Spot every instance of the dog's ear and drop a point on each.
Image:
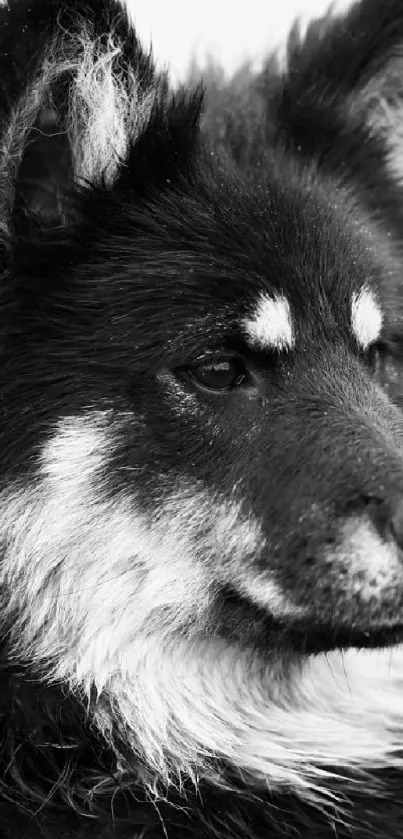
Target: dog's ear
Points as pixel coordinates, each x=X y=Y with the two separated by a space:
x=78 y=91
x=341 y=98
x=78 y=94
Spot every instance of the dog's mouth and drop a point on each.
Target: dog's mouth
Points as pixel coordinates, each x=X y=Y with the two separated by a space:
x=325 y=638
x=238 y=619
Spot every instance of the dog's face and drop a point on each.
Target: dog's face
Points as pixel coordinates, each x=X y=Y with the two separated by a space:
x=197 y=447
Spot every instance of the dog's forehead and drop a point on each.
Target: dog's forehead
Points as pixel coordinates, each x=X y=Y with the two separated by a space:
x=274 y=321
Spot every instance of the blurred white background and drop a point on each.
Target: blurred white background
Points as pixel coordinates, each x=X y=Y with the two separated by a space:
x=230 y=30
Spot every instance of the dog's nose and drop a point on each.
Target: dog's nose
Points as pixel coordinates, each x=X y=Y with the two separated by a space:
x=387 y=516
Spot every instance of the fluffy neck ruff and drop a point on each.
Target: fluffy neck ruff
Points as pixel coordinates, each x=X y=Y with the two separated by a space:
x=322 y=749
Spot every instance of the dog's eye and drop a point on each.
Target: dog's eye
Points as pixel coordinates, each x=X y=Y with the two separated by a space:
x=219 y=375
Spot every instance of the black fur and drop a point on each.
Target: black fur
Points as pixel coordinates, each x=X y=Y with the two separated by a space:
x=103 y=285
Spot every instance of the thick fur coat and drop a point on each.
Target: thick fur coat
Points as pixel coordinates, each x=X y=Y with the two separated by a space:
x=201 y=482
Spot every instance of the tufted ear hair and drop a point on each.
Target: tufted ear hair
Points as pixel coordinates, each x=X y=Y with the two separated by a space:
x=341 y=98
x=76 y=93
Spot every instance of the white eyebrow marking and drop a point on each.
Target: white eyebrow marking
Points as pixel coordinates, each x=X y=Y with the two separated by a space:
x=270 y=327
x=366 y=317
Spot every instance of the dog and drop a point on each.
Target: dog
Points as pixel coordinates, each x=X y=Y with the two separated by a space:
x=201 y=529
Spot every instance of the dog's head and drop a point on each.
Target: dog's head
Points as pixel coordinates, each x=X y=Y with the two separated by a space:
x=199 y=458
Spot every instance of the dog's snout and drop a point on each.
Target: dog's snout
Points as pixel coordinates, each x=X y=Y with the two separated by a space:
x=387 y=516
